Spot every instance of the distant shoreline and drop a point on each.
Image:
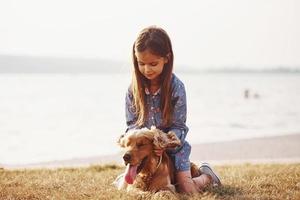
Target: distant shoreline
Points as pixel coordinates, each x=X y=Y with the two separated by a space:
x=274 y=149
x=13 y=64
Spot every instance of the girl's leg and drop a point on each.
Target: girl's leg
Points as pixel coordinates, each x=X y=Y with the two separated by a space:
x=202 y=181
x=184 y=182
x=187 y=184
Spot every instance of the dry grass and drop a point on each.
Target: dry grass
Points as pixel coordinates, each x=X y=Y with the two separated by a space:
x=247 y=181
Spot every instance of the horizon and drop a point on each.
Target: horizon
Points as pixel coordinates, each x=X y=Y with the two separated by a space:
x=49 y=64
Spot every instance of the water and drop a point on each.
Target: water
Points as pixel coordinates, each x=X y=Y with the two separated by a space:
x=46 y=117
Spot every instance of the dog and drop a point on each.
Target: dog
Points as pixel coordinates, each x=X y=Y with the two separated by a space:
x=145 y=171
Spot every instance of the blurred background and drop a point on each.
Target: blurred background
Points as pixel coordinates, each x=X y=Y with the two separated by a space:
x=65 y=67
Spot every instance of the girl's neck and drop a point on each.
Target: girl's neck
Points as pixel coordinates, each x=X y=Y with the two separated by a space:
x=154 y=86
x=154 y=83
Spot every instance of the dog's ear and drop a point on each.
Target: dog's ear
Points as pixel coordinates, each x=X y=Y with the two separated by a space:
x=121 y=140
x=163 y=140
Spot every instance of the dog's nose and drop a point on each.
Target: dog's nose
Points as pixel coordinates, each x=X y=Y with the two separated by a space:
x=127 y=157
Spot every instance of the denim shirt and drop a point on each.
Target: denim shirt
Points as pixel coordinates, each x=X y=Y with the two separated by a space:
x=178 y=125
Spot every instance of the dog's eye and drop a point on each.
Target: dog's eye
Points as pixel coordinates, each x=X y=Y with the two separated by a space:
x=140 y=145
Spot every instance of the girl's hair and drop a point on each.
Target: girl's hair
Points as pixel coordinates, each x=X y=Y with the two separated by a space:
x=157 y=41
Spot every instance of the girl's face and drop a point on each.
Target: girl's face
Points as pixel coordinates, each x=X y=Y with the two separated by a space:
x=150 y=65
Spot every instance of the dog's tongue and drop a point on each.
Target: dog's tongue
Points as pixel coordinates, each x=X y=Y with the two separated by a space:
x=130 y=173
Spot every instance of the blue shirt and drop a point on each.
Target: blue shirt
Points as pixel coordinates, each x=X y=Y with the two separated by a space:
x=178 y=125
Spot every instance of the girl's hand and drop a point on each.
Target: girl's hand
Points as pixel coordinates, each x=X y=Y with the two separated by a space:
x=158 y=152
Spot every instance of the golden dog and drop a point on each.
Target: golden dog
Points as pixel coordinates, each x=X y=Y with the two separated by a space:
x=145 y=170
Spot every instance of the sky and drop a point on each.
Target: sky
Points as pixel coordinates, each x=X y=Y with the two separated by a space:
x=216 y=33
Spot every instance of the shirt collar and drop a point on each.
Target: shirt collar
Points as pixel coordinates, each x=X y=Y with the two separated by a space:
x=148 y=92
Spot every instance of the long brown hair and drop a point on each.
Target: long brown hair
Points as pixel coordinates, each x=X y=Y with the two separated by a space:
x=157 y=41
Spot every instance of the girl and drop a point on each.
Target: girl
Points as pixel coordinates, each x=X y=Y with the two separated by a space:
x=157 y=97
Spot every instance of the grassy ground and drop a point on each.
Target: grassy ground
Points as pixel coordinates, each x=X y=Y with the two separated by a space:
x=247 y=181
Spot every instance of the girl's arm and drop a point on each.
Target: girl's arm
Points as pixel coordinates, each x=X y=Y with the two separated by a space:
x=179 y=113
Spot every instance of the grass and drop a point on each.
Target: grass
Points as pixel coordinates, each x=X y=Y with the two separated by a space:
x=246 y=181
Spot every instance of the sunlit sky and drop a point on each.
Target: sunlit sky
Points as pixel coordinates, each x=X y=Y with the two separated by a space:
x=251 y=33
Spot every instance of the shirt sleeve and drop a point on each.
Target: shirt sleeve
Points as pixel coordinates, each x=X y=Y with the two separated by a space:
x=178 y=125
x=131 y=117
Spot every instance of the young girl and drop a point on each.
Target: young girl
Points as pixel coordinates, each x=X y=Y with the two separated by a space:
x=157 y=97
